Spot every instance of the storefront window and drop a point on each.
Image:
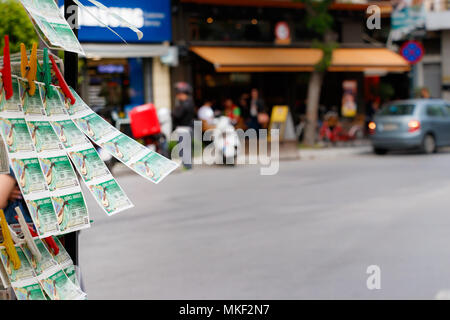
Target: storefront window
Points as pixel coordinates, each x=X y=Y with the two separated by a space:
x=108 y=83
x=245 y=24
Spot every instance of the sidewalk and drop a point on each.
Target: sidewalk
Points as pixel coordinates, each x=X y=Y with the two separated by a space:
x=360 y=147
x=324 y=153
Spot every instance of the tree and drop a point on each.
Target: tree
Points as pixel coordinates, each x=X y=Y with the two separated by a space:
x=15 y=23
x=318 y=20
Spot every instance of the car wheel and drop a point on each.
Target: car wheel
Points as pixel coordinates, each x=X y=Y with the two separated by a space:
x=429 y=144
x=380 y=151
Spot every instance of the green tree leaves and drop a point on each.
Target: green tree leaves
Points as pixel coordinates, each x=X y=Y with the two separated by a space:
x=319 y=20
x=15 y=22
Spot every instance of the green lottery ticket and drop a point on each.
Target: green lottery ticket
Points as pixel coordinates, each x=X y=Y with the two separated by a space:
x=139 y=158
x=16 y=135
x=154 y=166
x=89 y=164
x=43 y=136
x=72 y=275
x=45 y=30
x=58 y=173
x=44 y=216
x=78 y=107
x=71 y=211
x=64 y=260
x=29 y=175
x=24 y=275
x=42 y=6
x=59 y=287
x=14 y=104
x=110 y=196
x=32 y=105
x=30 y=292
x=69 y=134
x=63 y=257
x=53 y=106
x=123 y=147
x=44 y=267
x=66 y=37
x=94 y=126
x=51 y=25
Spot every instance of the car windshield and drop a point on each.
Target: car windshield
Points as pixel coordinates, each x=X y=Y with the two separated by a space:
x=397 y=110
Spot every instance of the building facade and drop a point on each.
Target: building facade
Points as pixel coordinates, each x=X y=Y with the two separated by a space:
x=227 y=47
x=433 y=71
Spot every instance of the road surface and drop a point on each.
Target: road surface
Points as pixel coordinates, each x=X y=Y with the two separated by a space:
x=311 y=231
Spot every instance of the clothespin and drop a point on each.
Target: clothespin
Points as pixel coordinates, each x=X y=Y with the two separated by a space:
x=28 y=68
x=6 y=70
x=62 y=83
x=8 y=242
x=49 y=241
x=44 y=74
x=27 y=235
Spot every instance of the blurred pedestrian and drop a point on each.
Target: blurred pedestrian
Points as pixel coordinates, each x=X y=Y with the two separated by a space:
x=425 y=93
x=183 y=112
x=258 y=117
x=183 y=115
x=244 y=106
x=232 y=111
x=206 y=114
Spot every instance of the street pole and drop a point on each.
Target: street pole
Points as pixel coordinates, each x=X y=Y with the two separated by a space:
x=71 y=77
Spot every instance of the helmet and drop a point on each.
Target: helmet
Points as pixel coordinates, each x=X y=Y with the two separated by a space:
x=183 y=87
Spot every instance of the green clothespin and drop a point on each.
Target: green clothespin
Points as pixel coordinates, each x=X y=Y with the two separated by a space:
x=44 y=74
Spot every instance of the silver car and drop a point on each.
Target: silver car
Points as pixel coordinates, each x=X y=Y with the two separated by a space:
x=411 y=124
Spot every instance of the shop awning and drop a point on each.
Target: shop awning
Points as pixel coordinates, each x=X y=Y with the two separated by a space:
x=367 y=59
x=118 y=50
x=230 y=59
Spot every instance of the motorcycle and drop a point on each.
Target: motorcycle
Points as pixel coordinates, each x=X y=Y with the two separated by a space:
x=151 y=125
x=153 y=131
x=333 y=130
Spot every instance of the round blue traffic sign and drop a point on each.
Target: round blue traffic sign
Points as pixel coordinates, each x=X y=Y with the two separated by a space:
x=412 y=51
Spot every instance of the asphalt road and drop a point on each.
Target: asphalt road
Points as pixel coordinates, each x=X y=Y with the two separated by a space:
x=308 y=232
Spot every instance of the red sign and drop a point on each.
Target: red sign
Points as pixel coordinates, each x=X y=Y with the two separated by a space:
x=282 y=31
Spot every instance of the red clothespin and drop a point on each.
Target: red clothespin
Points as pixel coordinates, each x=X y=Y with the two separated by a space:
x=6 y=70
x=62 y=83
x=49 y=241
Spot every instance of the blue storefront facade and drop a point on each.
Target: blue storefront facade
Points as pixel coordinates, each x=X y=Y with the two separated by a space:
x=118 y=74
x=152 y=17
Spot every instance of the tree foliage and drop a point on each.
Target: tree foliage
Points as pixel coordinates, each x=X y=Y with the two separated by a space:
x=15 y=22
x=319 y=20
x=327 y=50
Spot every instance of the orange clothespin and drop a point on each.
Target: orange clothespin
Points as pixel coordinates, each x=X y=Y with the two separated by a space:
x=8 y=242
x=6 y=71
x=28 y=68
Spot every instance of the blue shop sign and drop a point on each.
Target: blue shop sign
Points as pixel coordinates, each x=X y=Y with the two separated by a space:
x=152 y=17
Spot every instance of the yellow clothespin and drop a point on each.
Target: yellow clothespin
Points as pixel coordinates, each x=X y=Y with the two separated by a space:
x=28 y=68
x=8 y=242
